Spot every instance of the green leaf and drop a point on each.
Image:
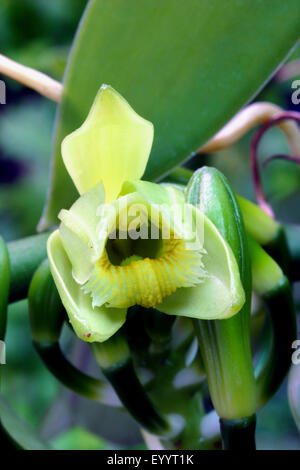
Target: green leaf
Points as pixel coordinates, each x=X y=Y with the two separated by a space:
x=187 y=67
x=14 y=429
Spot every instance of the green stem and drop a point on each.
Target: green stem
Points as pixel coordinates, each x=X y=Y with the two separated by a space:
x=6 y=441
x=67 y=374
x=158 y=325
x=238 y=434
x=46 y=315
x=129 y=389
x=46 y=312
x=225 y=344
x=275 y=357
x=25 y=256
x=114 y=358
x=228 y=366
x=275 y=290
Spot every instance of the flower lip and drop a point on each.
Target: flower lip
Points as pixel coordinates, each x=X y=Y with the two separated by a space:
x=143 y=270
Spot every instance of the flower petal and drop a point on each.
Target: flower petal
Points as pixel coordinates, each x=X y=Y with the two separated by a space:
x=78 y=232
x=163 y=201
x=90 y=324
x=78 y=250
x=154 y=193
x=220 y=294
x=86 y=207
x=112 y=145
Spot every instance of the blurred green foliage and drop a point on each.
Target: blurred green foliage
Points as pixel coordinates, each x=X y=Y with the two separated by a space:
x=38 y=33
x=25 y=144
x=78 y=438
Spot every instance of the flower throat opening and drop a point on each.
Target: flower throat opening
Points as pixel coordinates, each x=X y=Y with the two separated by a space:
x=142 y=271
x=123 y=246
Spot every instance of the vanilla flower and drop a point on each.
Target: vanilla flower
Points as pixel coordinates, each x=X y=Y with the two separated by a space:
x=128 y=242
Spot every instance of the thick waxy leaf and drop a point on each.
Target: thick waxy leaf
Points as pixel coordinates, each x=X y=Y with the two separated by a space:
x=187 y=67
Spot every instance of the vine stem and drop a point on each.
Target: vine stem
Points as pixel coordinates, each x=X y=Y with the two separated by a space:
x=286 y=116
x=31 y=78
x=290 y=158
x=245 y=120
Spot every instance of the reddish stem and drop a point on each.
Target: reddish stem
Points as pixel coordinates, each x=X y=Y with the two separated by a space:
x=291 y=158
x=260 y=196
